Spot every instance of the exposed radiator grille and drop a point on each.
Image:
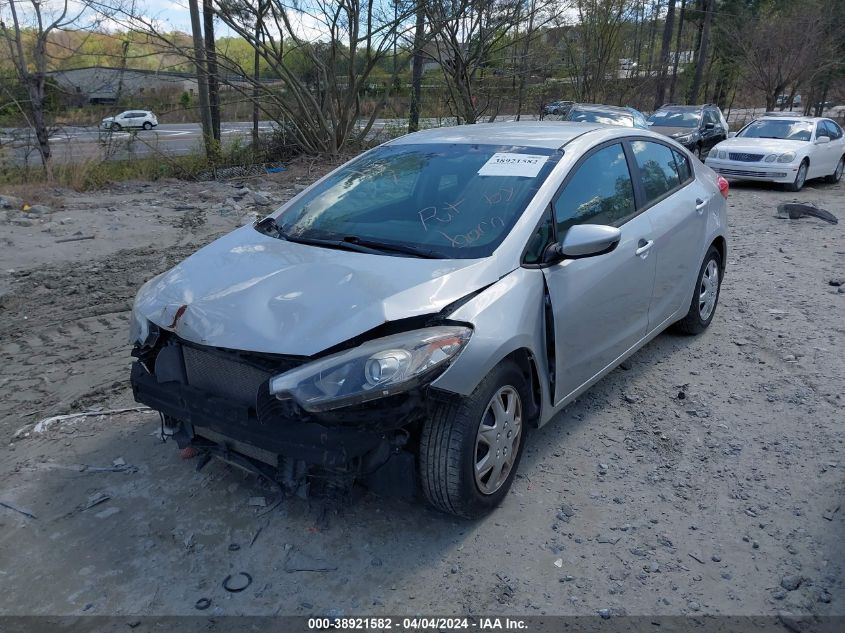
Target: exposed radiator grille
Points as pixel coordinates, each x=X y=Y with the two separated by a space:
x=746 y=158
x=218 y=375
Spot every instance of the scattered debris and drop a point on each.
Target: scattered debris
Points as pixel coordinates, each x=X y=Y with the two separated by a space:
x=791 y=582
x=794 y=211
x=237 y=588
x=117 y=468
x=76 y=239
x=828 y=514
x=559 y=562
x=299 y=561
x=258 y=502
x=44 y=424
x=202 y=604
x=697 y=557
x=26 y=513
x=107 y=512
x=96 y=500
x=234 y=547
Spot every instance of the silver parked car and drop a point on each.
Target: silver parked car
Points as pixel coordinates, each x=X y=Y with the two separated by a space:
x=413 y=314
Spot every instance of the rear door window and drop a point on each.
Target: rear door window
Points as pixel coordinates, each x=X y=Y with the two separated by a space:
x=658 y=170
x=682 y=163
x=600 y=192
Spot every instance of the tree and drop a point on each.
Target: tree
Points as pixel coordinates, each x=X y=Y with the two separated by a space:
x=211 y=67
x=660 y=95
x=593 y=47
x=26 y=37
x=709 y=8
x=417 y=67
x=202 y=79
x=785 y=47
x=467 y=33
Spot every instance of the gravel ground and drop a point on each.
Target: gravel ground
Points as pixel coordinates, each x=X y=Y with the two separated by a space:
x=706 y=476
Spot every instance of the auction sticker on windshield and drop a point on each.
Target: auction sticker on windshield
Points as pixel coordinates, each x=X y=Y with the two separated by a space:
x=507 y=164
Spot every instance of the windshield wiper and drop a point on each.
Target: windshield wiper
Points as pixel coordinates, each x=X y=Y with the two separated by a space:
x=413 y=251
x=270 y=227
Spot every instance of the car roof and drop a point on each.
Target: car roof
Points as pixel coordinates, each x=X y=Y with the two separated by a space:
x=546 y=134
x=597 y=107
x=793 y=117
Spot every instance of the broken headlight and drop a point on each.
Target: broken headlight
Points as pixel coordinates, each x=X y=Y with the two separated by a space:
x=139 y=328
x=141 y=331
x=375 y=369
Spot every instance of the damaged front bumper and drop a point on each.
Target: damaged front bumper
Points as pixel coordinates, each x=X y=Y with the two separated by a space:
x=216 y=399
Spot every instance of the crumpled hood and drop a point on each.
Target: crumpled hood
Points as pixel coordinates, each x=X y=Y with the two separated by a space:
x=108 y=118
x=252 y=292
x=761 y=145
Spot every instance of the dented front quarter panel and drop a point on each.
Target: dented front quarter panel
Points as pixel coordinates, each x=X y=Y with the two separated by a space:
x=506 y=317
x=252 y=292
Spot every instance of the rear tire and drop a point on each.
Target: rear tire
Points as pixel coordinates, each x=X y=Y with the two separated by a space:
x=705 y=297
x=836 y=176
x=800 y=178
x=458 y=437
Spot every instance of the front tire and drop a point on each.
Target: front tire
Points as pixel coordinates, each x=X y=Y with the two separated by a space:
x=115 y=127
x=706 y=295
x=836 y=176
x=800 y=178
x=470 y=450
x=148 y=125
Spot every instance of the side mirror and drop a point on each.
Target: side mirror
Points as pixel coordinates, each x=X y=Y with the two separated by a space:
x=821 y=140
x=709 y=126
x=584 y=240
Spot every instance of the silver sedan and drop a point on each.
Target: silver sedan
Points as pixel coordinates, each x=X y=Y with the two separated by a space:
x=409 y=317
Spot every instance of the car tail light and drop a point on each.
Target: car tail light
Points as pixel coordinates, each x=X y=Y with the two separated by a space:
x=723 y=187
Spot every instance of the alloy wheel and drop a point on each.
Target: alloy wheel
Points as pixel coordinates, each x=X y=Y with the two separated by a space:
x=708 y=290
x=802 y=176
x=498 y=439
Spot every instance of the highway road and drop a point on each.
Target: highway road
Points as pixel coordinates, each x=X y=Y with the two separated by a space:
x=178 y=139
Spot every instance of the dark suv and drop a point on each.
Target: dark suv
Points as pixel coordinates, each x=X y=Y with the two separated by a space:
x=696 y=127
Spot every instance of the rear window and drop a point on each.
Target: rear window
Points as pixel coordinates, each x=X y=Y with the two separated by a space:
x=607 y=118
x=675 y=118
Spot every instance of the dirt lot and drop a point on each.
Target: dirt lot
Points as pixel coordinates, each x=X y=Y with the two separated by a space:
x=705 y=477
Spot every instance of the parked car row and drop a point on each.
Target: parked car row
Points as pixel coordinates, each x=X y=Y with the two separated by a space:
x=698 y=128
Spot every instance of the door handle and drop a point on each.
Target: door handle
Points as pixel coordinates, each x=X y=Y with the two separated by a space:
x=643 y=247
x=699 y=205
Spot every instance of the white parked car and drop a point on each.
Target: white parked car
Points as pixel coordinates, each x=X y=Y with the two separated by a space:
x=130 y=119
x=784 y=149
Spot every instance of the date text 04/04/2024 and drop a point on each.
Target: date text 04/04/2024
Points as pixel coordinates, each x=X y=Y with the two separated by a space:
x=418 y=624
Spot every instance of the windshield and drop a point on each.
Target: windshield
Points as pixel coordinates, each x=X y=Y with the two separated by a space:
x=669 y=118
x=778 y=128
x=442 y=200
x=608 y=118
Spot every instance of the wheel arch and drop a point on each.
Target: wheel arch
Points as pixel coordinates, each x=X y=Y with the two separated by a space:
x=524 y=358
x=721 y=245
